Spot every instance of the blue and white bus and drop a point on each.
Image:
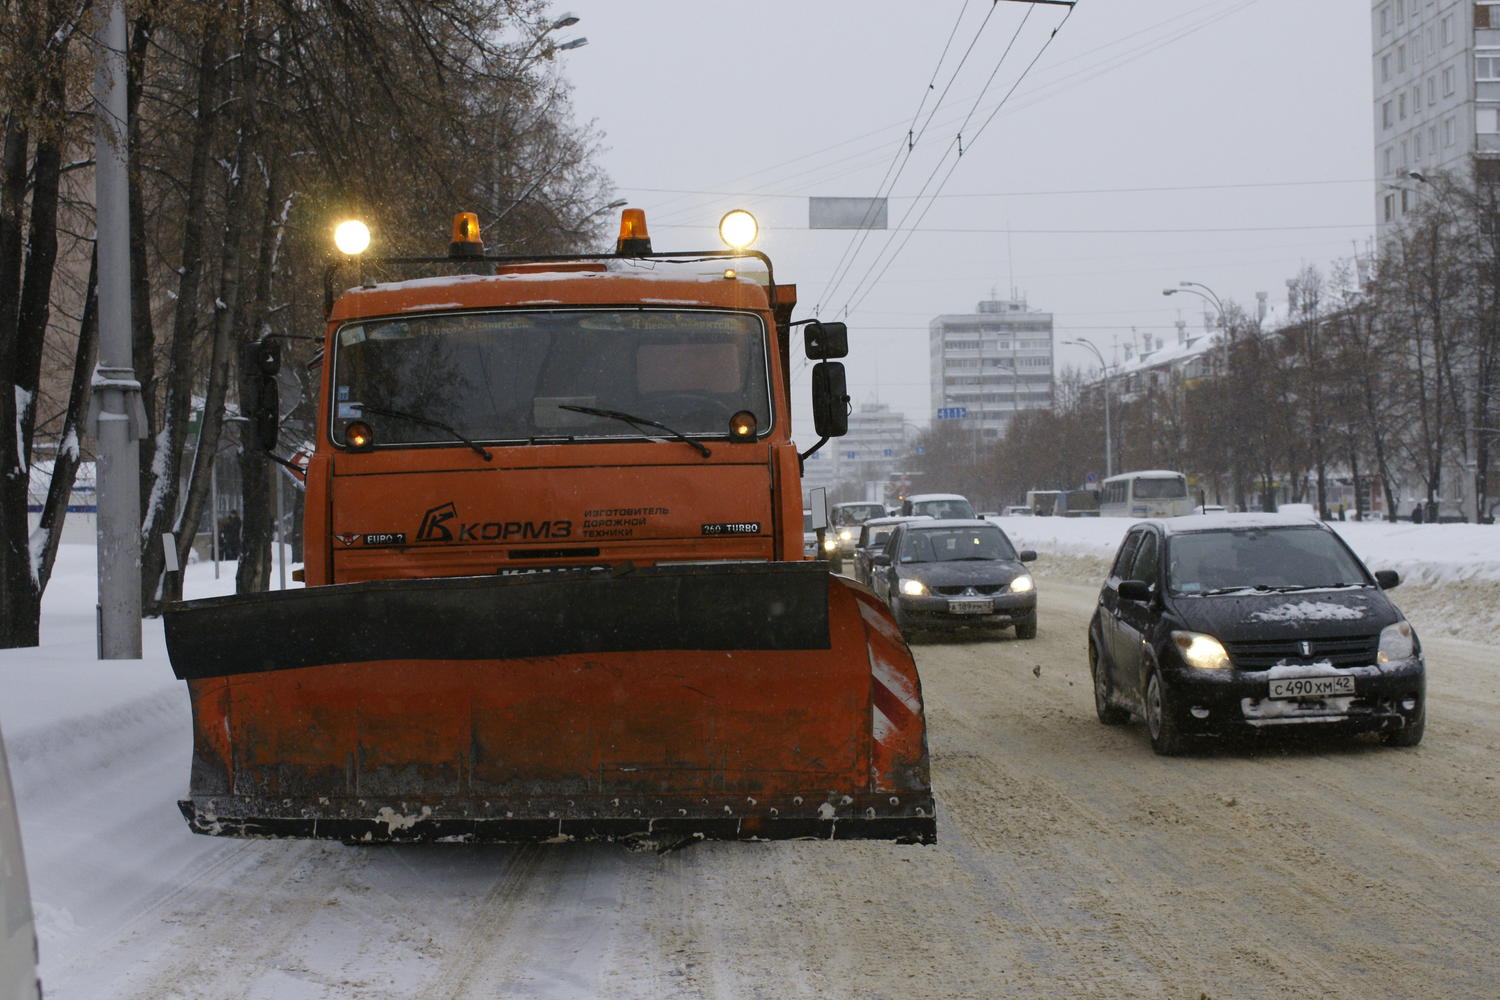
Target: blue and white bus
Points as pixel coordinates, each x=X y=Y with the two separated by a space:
x=1150 y=493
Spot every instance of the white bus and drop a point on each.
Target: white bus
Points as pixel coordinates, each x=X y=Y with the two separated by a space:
x=1151 y=493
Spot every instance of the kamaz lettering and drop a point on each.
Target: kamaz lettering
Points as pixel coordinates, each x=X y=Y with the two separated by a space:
x=494 y=531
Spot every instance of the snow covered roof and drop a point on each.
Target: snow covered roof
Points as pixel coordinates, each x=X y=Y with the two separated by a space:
x=1233 y=522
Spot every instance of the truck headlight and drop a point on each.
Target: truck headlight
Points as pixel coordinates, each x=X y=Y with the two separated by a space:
x=846 y=534
x=1397 y=642
x=1201 y=652
x=913 y=588
x=830 y=543
x=1022 y=584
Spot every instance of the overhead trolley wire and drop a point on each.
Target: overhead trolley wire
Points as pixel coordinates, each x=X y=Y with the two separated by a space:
x=903 y=153
x=852 y=302
x=837 y=280
x=1215 y=14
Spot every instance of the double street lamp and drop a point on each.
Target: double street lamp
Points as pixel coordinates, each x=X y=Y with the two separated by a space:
x=1109 y=461
x=1203 y=292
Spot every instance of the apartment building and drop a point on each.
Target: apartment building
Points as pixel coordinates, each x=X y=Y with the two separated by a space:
x=990 y=364
x=1437 y=97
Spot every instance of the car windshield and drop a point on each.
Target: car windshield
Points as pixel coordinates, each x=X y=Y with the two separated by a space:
x=508 y=376
x=949 y=544
x=1203 y=562
x=857 y=513
x=878 y=535
x=949 y=509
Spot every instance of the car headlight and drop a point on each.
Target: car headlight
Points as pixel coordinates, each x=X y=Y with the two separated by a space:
x=1022 y=584
x=913 y=588
x=1397 y=642
x=1201 y=652
x=846 y=534
x=830 y=543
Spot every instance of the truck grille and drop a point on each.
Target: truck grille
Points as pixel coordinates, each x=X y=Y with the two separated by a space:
x=1341 y=651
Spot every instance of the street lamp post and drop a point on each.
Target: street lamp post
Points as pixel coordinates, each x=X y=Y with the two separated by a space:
x=1109 y=460
x=1206 y=293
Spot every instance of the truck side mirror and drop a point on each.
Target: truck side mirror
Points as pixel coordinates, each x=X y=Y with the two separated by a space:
x=822 y=341
x=261 y=402
x=830 y=399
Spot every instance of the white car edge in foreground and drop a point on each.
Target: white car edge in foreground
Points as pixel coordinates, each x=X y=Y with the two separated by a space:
x=17 y=930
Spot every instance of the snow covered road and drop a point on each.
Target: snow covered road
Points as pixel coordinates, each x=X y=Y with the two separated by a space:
x=1071 y=862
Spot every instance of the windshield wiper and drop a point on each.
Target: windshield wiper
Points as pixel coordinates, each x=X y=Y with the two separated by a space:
x=385 y=411
x=636 y=422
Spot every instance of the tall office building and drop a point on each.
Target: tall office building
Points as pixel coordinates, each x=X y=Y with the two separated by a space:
x=991 y=363
x=862 y=461
x=1437 y=97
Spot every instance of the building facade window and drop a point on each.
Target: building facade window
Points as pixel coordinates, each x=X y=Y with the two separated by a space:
x=1432 y=90
x=1446 y=24
x=1401 y=59
x=1385 y=68
x=1448 y=78
x=1450 y=131
x=1389 y=209
x=1487 y=65
x=1401 y=105
x=1390 y=161
x=1487 y=120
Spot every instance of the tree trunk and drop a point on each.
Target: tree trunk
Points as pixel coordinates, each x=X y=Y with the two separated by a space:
x=20 y=584
x=65 y=468
x=227 y=309
x=256 y=472
x=19 y=625
x=161 y=507
x=142 y=327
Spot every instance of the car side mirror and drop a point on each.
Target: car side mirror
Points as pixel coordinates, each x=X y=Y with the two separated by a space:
x=880 y=559
x=1387 y=578
x=830 y=399
x=1135 y=590
x=1026 y=555
x=822 y=341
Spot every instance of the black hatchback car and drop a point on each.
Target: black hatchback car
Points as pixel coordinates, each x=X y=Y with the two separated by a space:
x=954 y=574
x=1212 y=625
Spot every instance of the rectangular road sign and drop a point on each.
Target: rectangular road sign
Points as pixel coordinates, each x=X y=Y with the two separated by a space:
x=952 y=412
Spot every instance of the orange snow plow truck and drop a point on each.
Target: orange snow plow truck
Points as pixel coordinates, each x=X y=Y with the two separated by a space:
x=555 y=582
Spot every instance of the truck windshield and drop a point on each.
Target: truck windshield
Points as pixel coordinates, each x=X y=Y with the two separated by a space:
x=508 y=376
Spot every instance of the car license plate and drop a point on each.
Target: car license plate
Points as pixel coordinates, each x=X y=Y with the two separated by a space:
x=971 y=607
x=1311 y=687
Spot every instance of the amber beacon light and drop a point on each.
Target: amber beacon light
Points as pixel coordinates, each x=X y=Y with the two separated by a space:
x=466 y=241
x=634 y=240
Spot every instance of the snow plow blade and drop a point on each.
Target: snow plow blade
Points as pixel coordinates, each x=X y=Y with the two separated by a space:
x=735 y=702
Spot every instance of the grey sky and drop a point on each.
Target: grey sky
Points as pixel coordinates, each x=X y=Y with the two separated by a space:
x=1247 y=116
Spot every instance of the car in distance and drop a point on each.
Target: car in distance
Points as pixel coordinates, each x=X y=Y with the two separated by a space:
x=955 y=573
x=844 y=520
x=872 y=538
x=809 y=535
x=939 y=505
x=1214 y=625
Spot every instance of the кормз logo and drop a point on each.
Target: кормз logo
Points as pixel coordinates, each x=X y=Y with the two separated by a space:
x=433 y=524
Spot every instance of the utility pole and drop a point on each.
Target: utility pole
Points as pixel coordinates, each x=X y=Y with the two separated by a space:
x=117 y=418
